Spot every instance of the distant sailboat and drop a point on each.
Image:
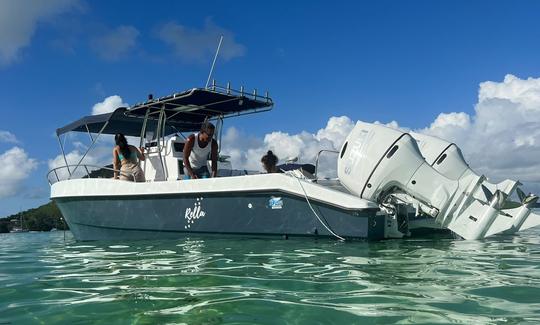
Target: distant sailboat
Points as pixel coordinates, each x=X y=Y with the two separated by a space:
x=21 y=226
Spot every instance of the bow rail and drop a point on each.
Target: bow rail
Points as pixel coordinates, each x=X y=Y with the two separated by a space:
x=62 y=173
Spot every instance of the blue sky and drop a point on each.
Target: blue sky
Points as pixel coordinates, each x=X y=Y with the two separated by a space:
x=402 y=61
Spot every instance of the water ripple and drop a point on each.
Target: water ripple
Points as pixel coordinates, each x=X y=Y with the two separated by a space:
x=264 y=281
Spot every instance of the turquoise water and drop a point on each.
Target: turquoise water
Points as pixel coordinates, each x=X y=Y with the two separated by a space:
x=208 y=280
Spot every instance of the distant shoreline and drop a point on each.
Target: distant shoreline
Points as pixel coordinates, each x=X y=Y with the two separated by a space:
x=43 y=218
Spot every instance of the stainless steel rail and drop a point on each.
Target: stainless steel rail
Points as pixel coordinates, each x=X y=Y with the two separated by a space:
x=317 y=160
x=93 y=168
x=230 y=91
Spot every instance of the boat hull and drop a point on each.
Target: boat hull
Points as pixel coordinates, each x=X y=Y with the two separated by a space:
x=269 y=205
x=174 y=215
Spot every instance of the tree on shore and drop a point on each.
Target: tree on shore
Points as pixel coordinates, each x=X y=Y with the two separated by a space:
x=43 y=218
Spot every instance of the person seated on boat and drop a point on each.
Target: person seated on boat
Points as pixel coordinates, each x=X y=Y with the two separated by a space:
x=269 y=162
x=196 y=151
x=127 y=156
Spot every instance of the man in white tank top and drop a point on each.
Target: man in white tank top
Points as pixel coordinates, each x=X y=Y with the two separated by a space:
x=196 y=151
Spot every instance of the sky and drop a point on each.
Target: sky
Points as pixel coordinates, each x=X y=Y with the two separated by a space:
x=467 y=71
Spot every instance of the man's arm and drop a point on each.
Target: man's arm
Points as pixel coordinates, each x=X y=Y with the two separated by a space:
x=187 y=152
x=214 y=155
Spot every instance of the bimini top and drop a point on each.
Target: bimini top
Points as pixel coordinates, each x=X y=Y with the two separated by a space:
x=118 y=122
x=184 y=112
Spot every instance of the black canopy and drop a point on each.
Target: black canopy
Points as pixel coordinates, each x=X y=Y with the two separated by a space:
x=184 y=111
x=118 y=122
x=196 y=104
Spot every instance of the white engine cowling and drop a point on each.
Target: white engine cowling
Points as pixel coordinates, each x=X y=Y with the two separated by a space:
x=376 y=162
x=447 y=159
x=443 y=156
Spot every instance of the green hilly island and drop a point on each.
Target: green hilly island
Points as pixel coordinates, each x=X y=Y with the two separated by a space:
x=43 y=218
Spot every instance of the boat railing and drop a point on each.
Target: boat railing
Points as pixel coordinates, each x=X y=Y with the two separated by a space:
x=239 y=92
x=319 y=156
x=84 y=171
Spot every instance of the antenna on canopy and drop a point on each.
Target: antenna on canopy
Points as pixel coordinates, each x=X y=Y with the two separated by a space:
x=214 y=62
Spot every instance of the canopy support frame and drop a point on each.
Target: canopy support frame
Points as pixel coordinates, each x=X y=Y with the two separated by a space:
x=89 y=148
x=161 y=120
x=64 y=154
x=89 y=133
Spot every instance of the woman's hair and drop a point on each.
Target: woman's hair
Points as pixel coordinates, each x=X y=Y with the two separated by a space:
x=269 y=160
x=121 y=142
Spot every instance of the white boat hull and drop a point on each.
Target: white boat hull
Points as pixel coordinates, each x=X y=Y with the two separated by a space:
x=271 y=204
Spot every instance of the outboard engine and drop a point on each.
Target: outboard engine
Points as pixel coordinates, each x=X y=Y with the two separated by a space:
x=376 y=161
x=381 y=164
x=447 y=159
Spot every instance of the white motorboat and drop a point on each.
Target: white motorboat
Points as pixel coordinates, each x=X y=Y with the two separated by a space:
x=385 y=188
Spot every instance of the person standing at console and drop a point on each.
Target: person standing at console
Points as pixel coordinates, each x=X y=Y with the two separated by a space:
x=196 y=151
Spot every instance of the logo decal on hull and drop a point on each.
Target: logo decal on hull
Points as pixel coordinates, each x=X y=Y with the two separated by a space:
x=192 y=214
x=275 y=203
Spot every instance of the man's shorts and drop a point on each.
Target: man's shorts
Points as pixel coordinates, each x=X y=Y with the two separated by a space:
x=201 y=172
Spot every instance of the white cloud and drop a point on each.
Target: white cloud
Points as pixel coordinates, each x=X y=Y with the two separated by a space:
x=394 y=125
x=18 y=21
x=108 y=105
x=16 y=167
x=236 y=144
x=72 y=158
x=115 y=43
x=6 y=136
x=502 y=138
x=200 y=44
x=246 y=151
x=526 y=92
x=336 y=129
x=453 y=126
x=97 y=157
